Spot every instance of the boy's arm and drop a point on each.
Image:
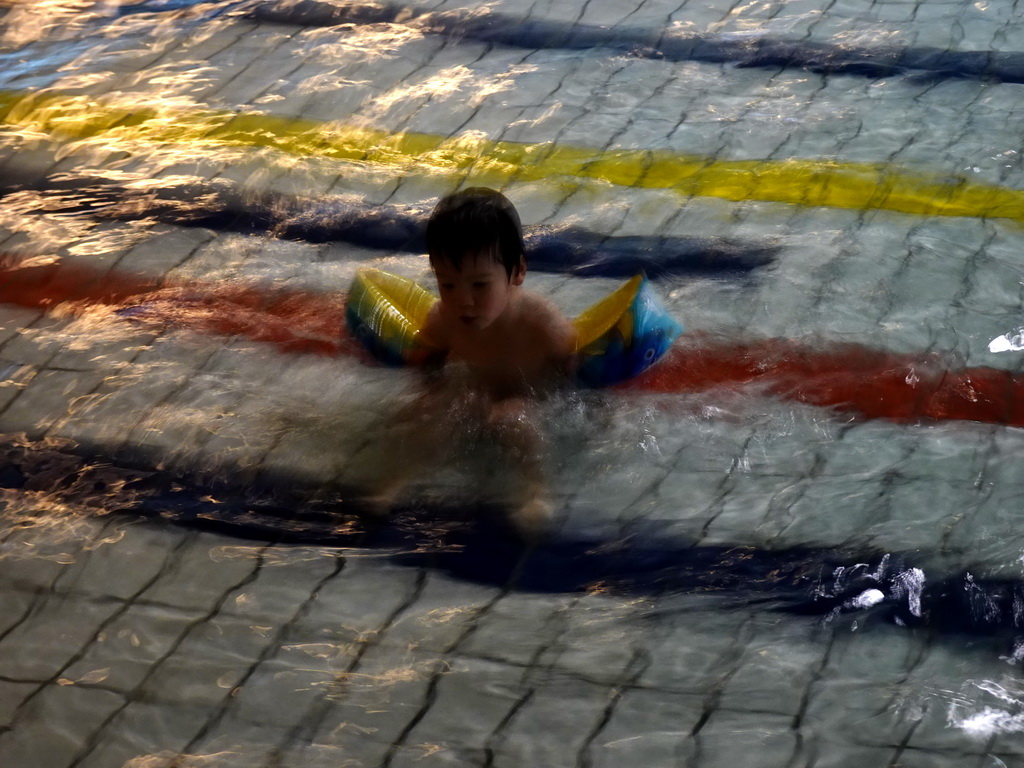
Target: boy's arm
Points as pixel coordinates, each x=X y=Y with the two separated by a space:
x=436 y=336
x=568 y=345
x=560 y=339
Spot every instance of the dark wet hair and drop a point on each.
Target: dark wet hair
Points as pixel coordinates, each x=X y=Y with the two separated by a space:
x=474 y=221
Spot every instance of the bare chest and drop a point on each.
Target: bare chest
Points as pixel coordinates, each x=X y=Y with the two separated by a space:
x=517 y=354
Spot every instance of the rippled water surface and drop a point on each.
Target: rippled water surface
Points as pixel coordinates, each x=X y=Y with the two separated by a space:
x=794 y=542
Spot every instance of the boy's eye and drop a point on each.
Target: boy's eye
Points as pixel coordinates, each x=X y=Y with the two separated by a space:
x=447 y=286
x=480 y=285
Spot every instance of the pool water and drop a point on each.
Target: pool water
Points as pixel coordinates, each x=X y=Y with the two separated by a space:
x=793 y=543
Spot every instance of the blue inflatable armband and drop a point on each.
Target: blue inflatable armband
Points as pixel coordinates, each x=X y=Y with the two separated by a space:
x=623 y=335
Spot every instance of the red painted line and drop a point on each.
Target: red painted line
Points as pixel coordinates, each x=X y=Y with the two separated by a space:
x=294 y=321
x=847 y=377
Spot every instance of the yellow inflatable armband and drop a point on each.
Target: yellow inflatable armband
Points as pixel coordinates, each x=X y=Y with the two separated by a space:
x=619 y=337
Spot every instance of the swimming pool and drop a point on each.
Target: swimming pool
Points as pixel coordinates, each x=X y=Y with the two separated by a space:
x=793 y=546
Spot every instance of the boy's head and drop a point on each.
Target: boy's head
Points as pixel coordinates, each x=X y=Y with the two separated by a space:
x=476 y=223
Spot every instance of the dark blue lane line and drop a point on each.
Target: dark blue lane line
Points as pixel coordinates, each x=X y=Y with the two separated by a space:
x=669 y=45
x=589 y=254
x=567 y=250
x=471 y=542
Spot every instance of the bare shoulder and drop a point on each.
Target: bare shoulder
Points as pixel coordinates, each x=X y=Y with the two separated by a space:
x=547 y=324
x=540 y=310
x=435 y=330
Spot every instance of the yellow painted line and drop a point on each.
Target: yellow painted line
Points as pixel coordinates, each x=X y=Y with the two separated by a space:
x=856 y=186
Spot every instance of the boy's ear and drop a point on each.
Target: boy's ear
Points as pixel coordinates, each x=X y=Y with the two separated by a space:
x=520 y=274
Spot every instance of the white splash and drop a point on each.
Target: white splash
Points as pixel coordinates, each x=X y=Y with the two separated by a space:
x=984 y=721
x=991 y=721
x=866 y=599
x=1008 y=342
x=910 y=584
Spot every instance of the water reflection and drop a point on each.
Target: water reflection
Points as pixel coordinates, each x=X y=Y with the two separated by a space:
x=860 y=52
x=161 y=127
x=56 y=495
x=175 y=287
x=27 y=22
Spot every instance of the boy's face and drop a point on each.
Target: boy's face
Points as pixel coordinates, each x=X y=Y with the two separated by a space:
x=479 y=293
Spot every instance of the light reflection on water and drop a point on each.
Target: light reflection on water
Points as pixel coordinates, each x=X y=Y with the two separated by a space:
x=726 y=467
x=49 y=19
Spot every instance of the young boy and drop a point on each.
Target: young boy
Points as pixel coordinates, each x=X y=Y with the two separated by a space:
x=500 y=345
x=514 y=343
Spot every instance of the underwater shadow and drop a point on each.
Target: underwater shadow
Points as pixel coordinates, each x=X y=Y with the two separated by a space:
x=471 y=541
x=390 y=227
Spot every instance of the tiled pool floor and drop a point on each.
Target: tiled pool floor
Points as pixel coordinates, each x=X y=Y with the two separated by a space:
x=183 y=583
